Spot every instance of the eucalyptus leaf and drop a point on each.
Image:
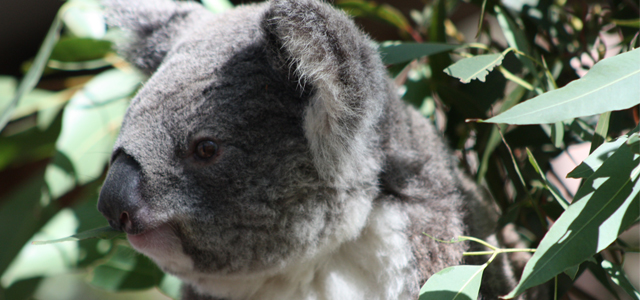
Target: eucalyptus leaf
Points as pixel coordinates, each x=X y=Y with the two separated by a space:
x=551 y=188
x=610 y=85
x=457 y=282
x=35 y=261
x=126 y=270
x=33 y=75
x=98 y=233
x=598 y=156
x=170 y=286
x=515 y=36
x=603 y=207
x=217 y=6
x=84 y=19
x=602 y=128
x=618 y=276
x=22 y=202
x=477 y=67
x=91 y=121
x=397 y=52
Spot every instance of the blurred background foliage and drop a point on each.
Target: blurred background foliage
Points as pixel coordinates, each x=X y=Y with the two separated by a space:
x=56 y=140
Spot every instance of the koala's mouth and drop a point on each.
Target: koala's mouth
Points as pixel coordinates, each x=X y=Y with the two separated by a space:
x=155 y=240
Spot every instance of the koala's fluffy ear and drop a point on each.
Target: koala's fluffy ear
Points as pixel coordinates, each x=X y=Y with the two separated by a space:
x=150 y=26
x=324 y=50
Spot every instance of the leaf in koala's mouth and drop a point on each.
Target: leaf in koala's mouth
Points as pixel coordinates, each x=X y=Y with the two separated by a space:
x=104 y=233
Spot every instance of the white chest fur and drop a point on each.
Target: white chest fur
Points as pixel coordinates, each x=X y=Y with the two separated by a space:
x=376 y=265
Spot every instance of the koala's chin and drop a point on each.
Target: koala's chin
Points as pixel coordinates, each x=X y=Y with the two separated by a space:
x=268 y=156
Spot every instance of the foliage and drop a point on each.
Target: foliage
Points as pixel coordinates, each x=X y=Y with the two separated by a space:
x=55 y=143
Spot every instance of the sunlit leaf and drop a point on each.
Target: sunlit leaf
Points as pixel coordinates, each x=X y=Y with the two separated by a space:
x=598 y=156
x=84 y=19
x=610 y=85
x=477 y=67
x=603 y=207
x=618 y=276
x=601 y=275
x=217 y=6
x=458 y=282
x=35 y=261
x=91 y=121
x=98 y=233
x=33 y=75
x=397 y=52
x=171 y=286
x=601 y=131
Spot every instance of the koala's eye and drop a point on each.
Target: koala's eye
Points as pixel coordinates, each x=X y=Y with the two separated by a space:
x=206 y=149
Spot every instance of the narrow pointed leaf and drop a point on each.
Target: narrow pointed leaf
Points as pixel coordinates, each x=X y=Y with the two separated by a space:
x=618 y=277
x=601 y=131
x=458 y=282
x=598 y=156
x=603 y=207
x=515 y=36
x=610 y=85
x=33 y=75
x=98 y=233
x=397 y=52
x=552 y=189
x=477 y=67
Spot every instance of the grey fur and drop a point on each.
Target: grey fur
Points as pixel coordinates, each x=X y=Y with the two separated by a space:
x=320 y=164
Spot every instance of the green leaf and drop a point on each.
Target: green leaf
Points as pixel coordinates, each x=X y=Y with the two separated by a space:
x=572 y=271
x=16 y=213
x=477 y=67
x=23 y=289
x=171 y=286
x=397 y=52
x=634 y=23
x=598 y=156
x=98 y=233
x=551 y=188
x=603 y=207
x=600 y=274
x=126 y=270
x=620 y=278
x=458 y=282
x=34 y=261
x=33 y=75
x=382 y=12
x=583 y=130
x=515 y=36
x=634 y=142
x=601 y=131
x=80 y=49
x=84 y=19
x=557 y=134
x=494 y=138
x=610 y=85
x=91 y=121
x=217 y=6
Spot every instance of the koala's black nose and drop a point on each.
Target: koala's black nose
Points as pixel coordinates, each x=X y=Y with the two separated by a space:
x=120 y=199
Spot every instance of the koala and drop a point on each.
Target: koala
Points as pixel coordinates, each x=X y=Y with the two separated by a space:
x=268 y=156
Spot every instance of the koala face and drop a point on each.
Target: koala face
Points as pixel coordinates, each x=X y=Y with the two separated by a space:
x=252 y=146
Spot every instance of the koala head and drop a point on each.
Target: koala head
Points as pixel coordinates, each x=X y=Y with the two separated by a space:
x=254 y=144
